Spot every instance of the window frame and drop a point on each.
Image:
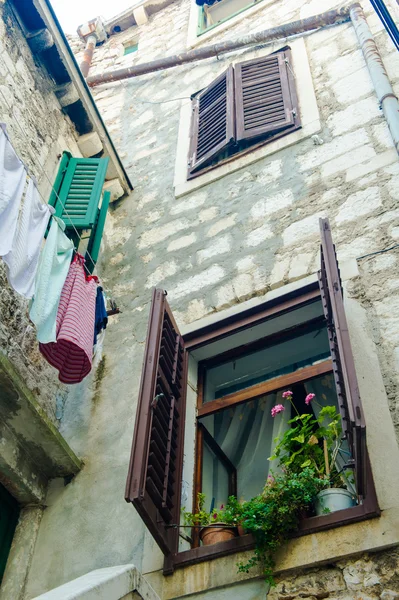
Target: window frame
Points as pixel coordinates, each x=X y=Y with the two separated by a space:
x=366 y=510
x=201 y=30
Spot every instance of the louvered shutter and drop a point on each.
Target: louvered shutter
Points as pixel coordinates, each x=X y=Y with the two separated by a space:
x=93 y=247
x=154 y=478
x=264 y=96
x=80 y=191
x=212 y=121
x=346 y=383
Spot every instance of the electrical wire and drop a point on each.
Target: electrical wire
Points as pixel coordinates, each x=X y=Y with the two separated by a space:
x=378 y=252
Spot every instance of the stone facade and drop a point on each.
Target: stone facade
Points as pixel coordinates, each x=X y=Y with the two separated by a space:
x=370 y=577
x=39 y=132
x=238 y=237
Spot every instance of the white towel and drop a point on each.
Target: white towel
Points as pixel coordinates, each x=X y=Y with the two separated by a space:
x=23 y=259
x=12 y=183
x=54 y=263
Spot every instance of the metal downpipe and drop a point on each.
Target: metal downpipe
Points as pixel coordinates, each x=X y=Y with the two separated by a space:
x=88 y=55
x=276 y=33
x=386 y=96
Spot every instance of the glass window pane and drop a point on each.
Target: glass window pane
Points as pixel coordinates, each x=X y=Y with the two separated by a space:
x=267 y=363
x=215 y=480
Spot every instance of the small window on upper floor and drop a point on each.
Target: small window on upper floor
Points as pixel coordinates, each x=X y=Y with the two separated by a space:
x=130 y=47
x=248 y=105
x=212 y=15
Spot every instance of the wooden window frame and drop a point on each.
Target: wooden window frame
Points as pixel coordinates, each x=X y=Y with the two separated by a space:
x=366 y=510
x=254 y=144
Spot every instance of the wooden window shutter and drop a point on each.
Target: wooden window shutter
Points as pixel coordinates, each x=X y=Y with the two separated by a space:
x=346 y=383
x=93 y=247
x=212 y=121
x=80 y=191
x=154 y=478
x=265 y=98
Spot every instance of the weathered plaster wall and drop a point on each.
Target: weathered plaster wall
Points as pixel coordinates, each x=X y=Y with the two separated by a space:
x=39 y=132
x=254 y=230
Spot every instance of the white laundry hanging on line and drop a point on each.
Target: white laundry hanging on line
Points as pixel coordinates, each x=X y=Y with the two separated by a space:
x=12 y=183
x=23 y=259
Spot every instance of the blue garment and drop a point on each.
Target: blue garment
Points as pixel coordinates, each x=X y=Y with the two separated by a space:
x=101 y=319
x=55 y=260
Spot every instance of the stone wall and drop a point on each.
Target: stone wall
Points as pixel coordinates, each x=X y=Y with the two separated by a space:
x=371 y=577
x=39 y=132
x=254 y=230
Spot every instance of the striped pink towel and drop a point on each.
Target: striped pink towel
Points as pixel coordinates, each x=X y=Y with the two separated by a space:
x=72 y=353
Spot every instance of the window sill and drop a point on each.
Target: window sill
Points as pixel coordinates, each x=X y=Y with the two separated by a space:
x=368 y=510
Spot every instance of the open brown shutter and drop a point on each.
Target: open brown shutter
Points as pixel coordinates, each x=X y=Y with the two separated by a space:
x=212 y=121
x=341 y=352
x=154 y=479
x=265 y=97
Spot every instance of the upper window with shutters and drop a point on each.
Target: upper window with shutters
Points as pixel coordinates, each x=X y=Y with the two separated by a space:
x=248 y=105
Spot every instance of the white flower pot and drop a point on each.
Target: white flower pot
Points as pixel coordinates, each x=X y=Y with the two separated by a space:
x=333 y=499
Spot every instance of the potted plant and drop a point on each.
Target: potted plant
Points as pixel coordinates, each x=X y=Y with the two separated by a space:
x=216 y=526
x=274 y=515
x=315 y=442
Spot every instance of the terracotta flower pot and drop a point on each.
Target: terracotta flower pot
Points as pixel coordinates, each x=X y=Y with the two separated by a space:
x=241 y=530
x=218 y=532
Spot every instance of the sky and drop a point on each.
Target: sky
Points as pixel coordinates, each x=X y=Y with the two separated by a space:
x=72 y=13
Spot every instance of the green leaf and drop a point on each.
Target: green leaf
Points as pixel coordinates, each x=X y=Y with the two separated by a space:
x=307 y=463
x=300 y=438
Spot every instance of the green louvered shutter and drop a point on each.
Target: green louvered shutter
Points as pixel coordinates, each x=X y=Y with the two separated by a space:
x=80 y=191
x=93 y=247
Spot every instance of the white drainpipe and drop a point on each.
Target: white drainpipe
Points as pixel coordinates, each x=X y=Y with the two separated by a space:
x=386 y=96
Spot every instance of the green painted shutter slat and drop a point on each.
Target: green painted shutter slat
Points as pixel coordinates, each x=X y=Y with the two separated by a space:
x=66 y=156
x=93 y=246
x=80 y=191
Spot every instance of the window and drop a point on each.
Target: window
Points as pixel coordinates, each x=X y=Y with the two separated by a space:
x=129 y=48
x=300 y=341
x=211 y=15
x=248 y=105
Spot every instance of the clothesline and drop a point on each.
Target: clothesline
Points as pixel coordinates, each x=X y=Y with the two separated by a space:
x=68 y=307
x=29 y=173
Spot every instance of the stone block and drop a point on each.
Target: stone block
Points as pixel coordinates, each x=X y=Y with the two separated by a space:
x=302 y=229
x=359 y=204
x=197 y=282
x=114 y=186
x=272 y=204
x=384 y=159
x=90 y=144
x=259 y=235
x=389 y=595
x=222 y=225
x=220 y=246
x=355 y=115
x=328 y=151
x=182 y=242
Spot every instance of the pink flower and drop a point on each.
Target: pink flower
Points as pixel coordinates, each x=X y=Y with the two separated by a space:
x=277 y=409
x=287 y=394
x=309 y=398
x=215 y=516
x=221 y=506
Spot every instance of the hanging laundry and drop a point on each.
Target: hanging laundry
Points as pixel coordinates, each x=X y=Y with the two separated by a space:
x=72 y=353
x=101 y=320
x=54 y=263
x=23 y=259
x=12 y=183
